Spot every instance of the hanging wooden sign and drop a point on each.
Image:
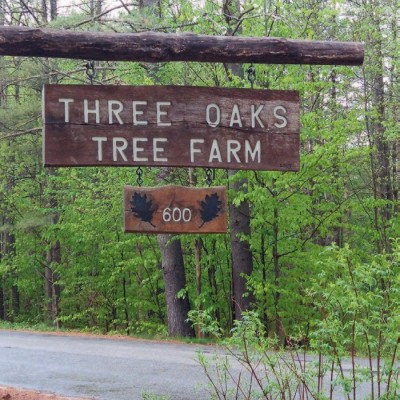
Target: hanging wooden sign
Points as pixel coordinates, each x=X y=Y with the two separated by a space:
x=171 y=126
x=175 y=209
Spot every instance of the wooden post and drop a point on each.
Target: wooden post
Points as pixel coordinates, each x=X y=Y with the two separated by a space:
x=164 y=47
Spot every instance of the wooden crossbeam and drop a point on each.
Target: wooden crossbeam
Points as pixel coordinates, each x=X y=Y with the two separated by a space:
x=165 y=47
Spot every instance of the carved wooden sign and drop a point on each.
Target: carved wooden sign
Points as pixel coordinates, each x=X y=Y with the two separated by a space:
x=175 y=209
x=171 y=126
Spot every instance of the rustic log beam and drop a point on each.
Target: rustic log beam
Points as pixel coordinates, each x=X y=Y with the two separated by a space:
x=163 y=47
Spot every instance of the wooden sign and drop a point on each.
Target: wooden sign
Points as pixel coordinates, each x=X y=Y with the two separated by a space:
x=171 y=126
x=175 y=209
